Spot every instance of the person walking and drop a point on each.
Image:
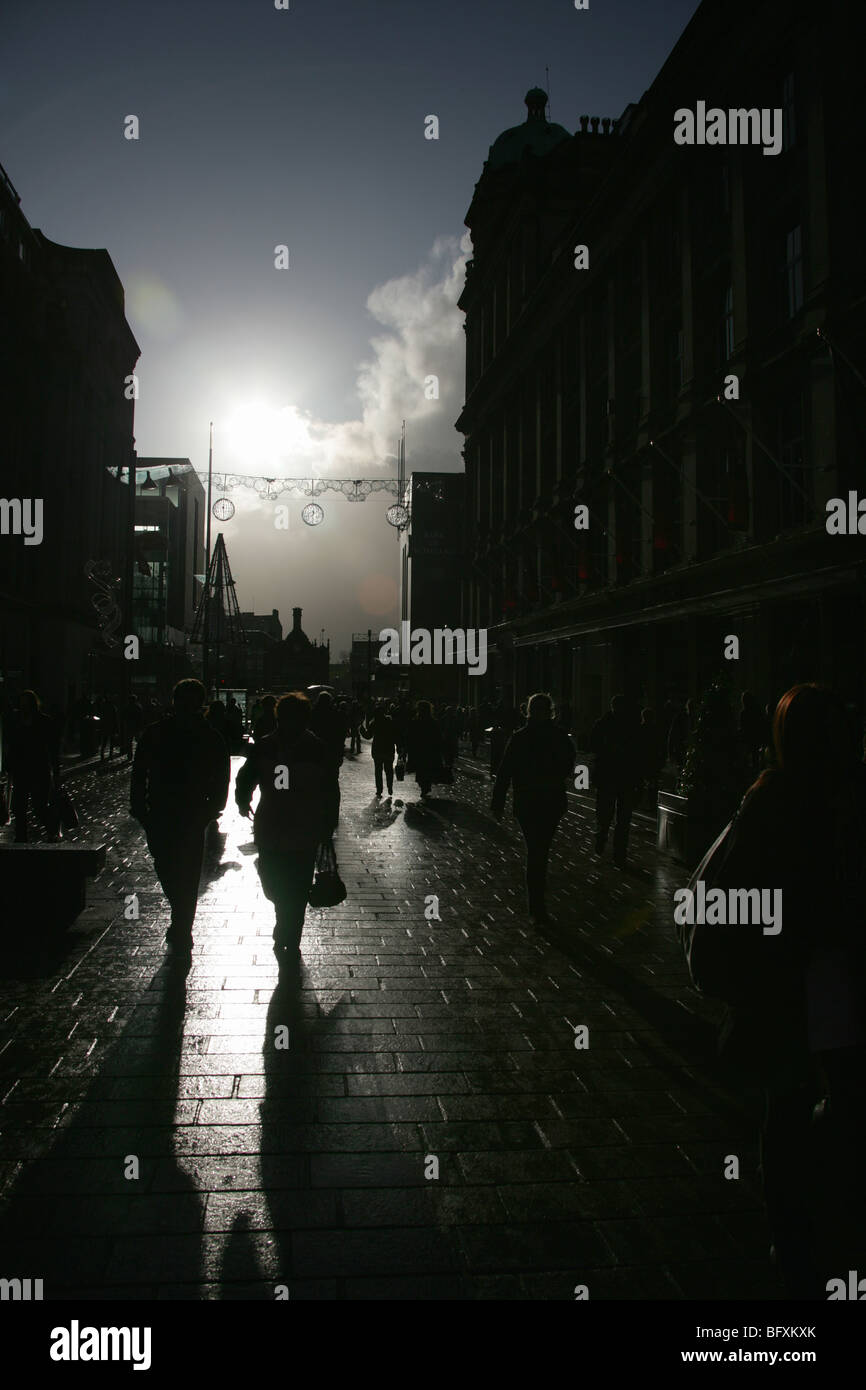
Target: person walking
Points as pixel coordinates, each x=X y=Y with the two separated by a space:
x=298 y=780
x=449 y=727
x=33 y=761
x=537 y=760
x=424 y=747
x=133 y=718
x=616 y=743
x=234 y=725
x=180 y=782
x=109 y=728
x=265 y=721
x=328 y=723
x=475 y=729
x=380 y=728
x=356 y=719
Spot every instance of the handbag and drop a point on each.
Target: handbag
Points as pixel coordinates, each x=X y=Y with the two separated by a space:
x=327 y=889
x=400 y=770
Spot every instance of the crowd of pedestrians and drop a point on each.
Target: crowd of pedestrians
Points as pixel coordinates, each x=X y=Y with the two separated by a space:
x=795 y=1019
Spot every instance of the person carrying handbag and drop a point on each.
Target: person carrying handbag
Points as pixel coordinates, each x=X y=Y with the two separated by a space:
x=297 y=775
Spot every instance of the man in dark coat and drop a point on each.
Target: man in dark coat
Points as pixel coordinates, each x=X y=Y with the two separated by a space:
x=537 y=760
x=180 y=782
x=380 y=728
x=297 y=810
x=424 y=744
x=616 y=743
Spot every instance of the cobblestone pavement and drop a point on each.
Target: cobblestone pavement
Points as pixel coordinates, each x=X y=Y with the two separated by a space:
x=409 y=1039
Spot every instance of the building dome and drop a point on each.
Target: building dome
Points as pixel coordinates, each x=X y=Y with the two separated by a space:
x=536 y=137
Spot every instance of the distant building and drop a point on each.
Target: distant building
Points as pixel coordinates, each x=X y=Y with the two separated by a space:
x=431 y=571
x=296 y=662
x=169 y=562
x=67 y=355
x=264 y=622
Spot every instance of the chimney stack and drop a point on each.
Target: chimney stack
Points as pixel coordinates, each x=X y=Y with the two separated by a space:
x=296 y=619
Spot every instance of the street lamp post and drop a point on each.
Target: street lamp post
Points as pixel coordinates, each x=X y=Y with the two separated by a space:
x=205 y=662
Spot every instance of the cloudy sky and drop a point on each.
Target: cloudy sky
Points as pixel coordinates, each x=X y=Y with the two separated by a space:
x=303 y=127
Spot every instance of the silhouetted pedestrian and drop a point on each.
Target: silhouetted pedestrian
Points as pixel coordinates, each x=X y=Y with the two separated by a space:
x=109 y=728
x=475 y=730
x=448 y=729
x=180 y=781
x=33 y=761
x=424 y=747
x=615 y=741
x=297 y=810
x=380 y=728
x=356 y=719
x=266 y=719
x=234 y=724
x=328 y=723
x=537 y=760
x=133 y=719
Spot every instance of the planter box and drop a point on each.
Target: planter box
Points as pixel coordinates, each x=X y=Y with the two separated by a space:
x=683 y=831
x=45 y=882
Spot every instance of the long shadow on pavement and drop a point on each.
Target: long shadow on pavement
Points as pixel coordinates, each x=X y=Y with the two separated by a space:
x=74 y=1218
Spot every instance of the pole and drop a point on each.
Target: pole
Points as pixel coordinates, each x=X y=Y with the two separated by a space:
x=129 y=576
x=369 y=663
x=205 y=662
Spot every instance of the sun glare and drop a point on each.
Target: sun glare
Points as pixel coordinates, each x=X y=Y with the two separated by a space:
x=262 y=439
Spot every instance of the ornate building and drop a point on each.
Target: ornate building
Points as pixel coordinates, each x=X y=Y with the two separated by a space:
x=296 y=662
x=689 y=378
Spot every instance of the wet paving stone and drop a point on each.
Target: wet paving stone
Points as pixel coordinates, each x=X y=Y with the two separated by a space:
x=431 y=1131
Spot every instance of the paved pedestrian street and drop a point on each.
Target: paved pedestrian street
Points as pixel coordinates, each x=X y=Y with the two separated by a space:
x=426 y=1128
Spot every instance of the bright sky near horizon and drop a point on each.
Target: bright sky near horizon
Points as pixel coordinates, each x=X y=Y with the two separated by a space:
x=302 y=127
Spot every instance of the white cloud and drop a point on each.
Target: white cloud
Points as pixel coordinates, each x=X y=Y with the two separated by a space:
x=423 y=337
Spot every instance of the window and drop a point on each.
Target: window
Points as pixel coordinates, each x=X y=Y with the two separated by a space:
x=789 y=113
x=794 y=271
